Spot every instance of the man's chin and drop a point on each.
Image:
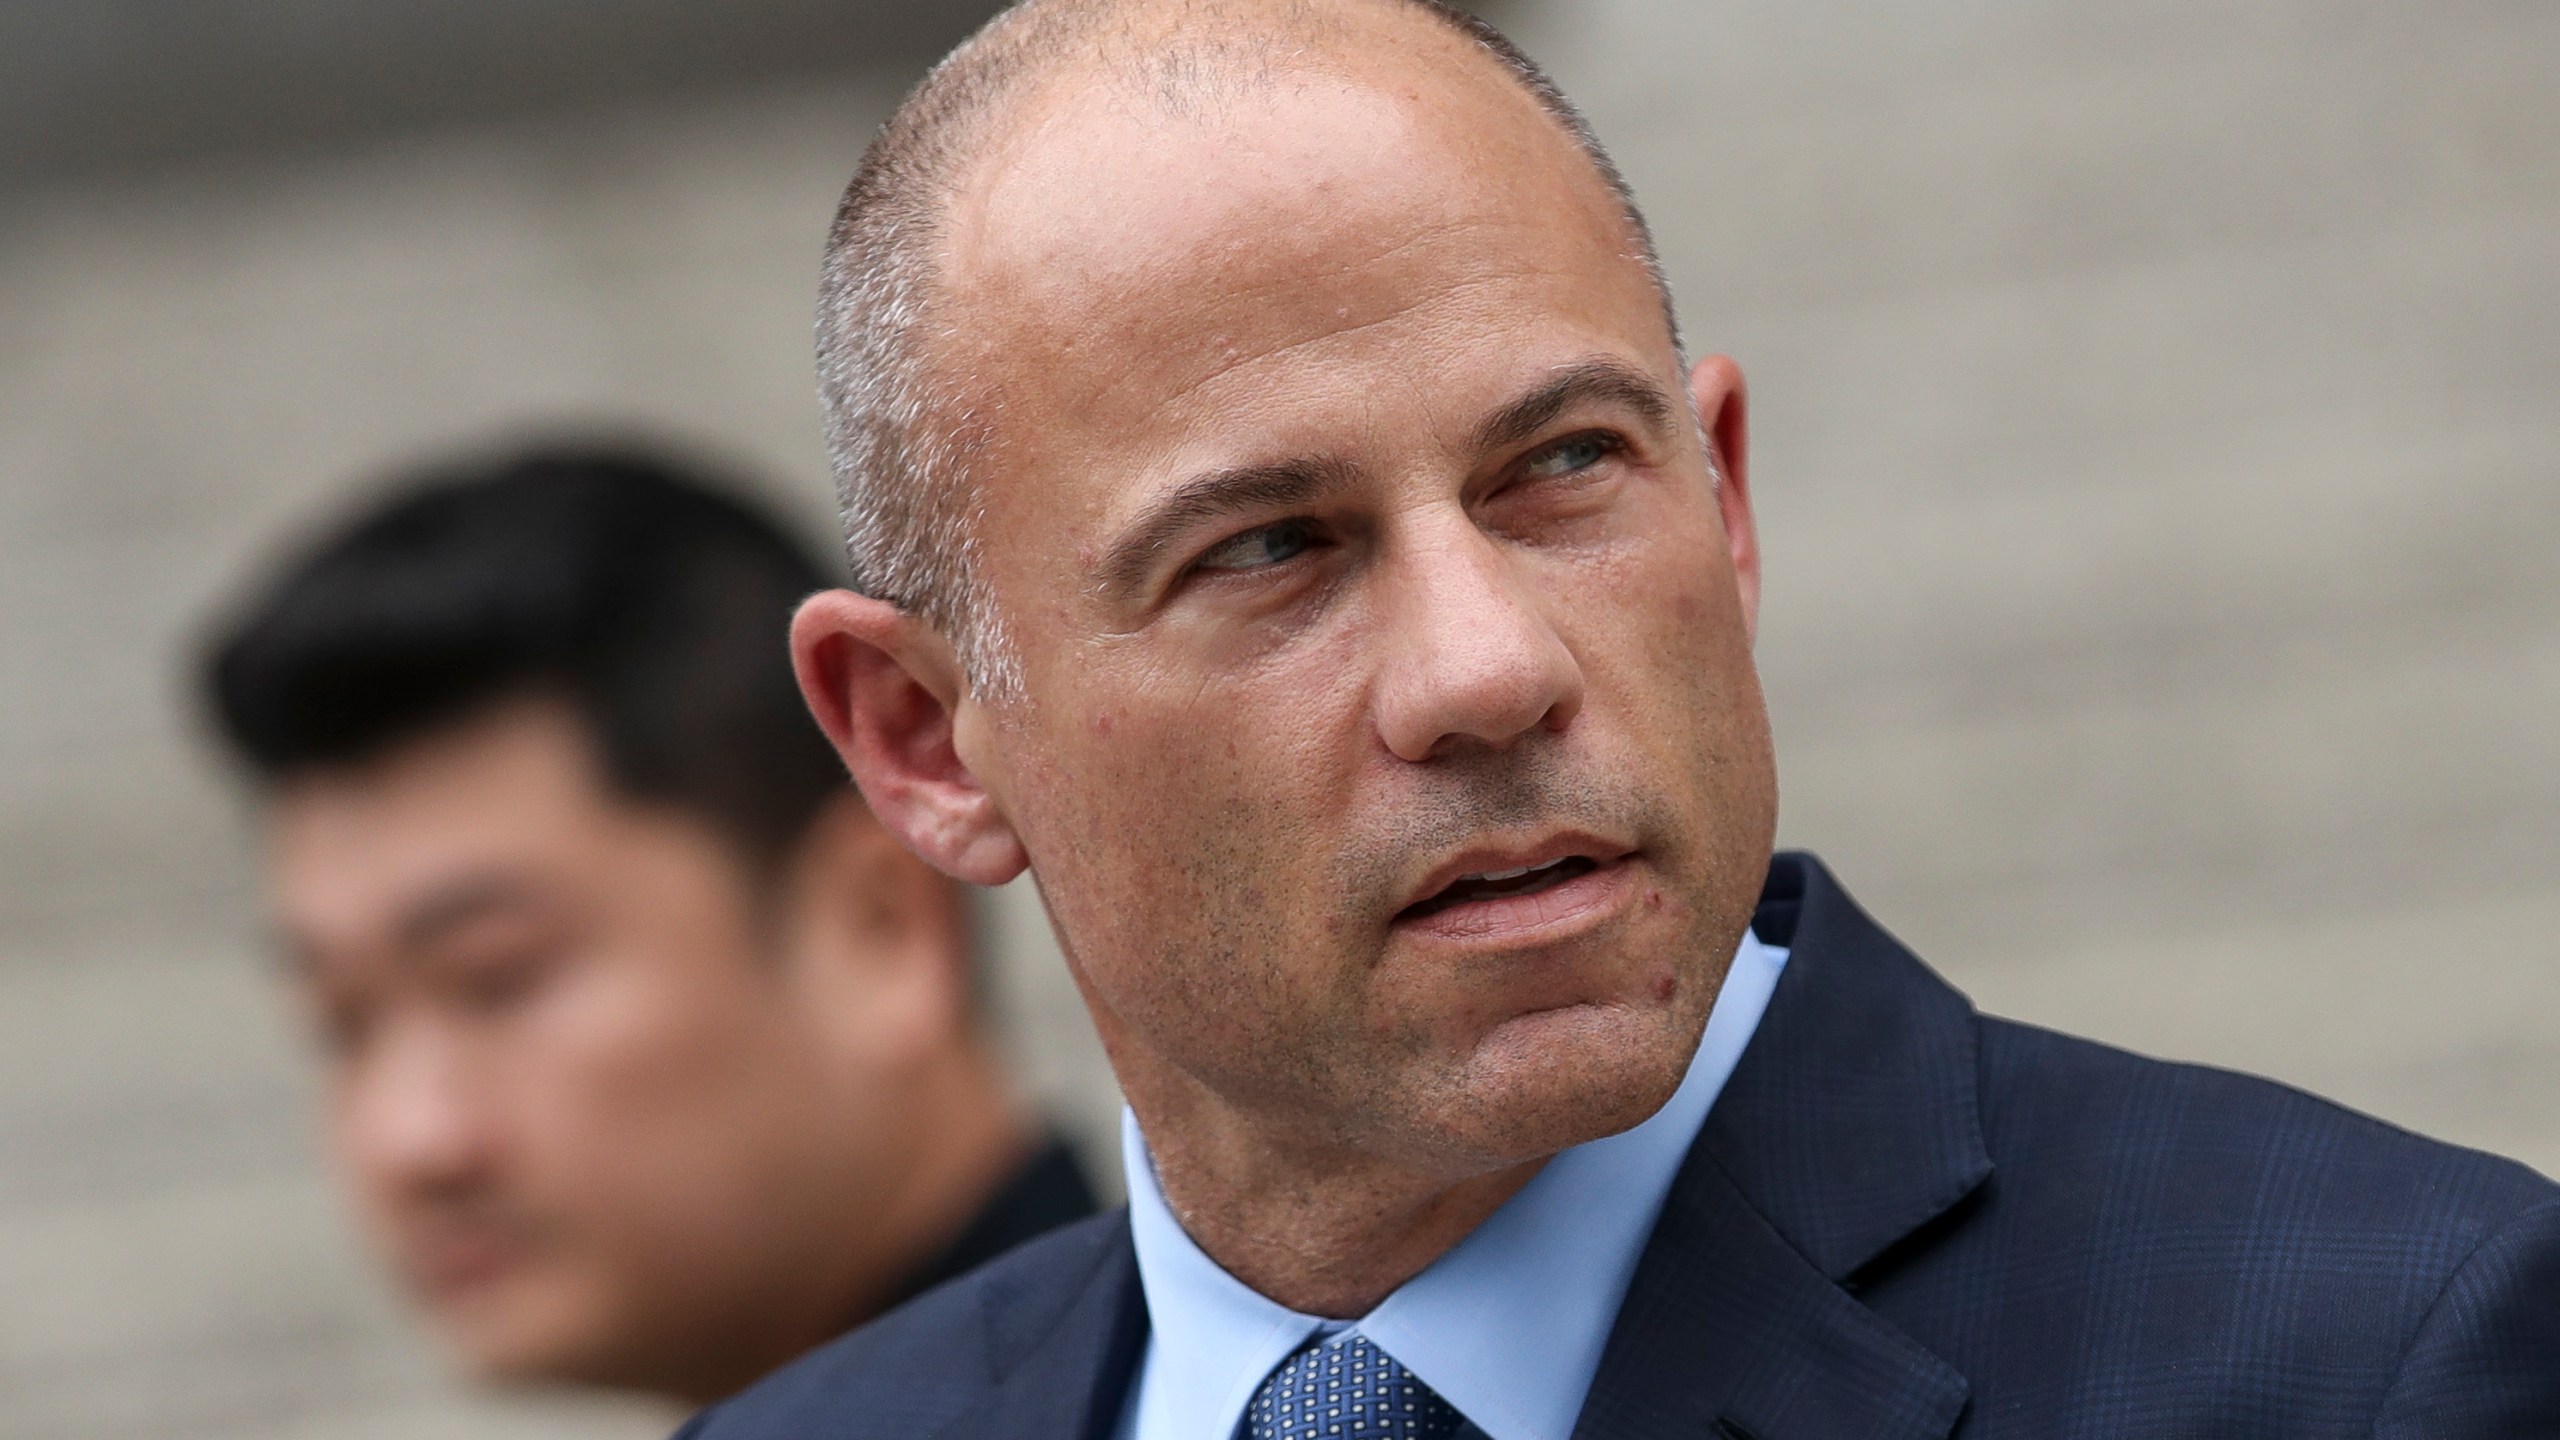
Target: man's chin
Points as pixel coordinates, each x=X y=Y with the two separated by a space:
x=520 y=1335
x=1549 y=1080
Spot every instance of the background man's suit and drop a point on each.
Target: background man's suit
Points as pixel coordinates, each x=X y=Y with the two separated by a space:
x=1904 y=1219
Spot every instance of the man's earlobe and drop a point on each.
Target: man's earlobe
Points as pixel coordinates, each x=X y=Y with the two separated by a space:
x=885 y=688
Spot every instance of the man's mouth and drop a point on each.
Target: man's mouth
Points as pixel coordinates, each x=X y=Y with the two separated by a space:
x=457 y=1262
x=1501 y=885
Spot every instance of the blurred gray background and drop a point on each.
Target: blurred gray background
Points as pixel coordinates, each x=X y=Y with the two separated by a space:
x=2156 y=445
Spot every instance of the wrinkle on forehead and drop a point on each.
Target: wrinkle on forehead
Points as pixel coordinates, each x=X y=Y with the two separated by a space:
x=1237 y=359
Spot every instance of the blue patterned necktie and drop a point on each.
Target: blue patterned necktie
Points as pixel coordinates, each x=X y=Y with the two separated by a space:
x=1347 y=1390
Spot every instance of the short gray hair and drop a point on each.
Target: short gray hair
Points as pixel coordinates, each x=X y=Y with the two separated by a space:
x=901 y=436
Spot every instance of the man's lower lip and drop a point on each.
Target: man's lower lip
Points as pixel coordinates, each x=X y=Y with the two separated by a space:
x=457 y=1270
x=1554 y=913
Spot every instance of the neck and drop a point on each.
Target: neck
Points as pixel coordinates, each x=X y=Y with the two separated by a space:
x=971 y=1138
x=1318 y=1227
x=965 y=1138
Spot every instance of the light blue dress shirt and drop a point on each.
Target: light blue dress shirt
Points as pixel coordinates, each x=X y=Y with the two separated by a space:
x=1508 y=1326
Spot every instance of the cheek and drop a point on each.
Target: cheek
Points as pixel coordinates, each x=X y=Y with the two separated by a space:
x=1174 y=769
x=1660 y=615
x=359 y=1156
x=638 y=1087
x=1183 y=822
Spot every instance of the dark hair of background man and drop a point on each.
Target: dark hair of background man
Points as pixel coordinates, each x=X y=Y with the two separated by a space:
x=652 y=603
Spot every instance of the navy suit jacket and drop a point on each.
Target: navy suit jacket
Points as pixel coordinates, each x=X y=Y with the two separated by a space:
x=1904 y=1220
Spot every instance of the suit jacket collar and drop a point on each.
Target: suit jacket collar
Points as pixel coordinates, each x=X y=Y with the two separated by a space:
x=1852 y=1121
x=1073 y=1355
x=1855 y=1116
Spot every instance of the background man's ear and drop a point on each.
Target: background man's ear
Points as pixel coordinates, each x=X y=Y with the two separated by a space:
x=885 y=688
x=882 y=937
x=1724 y=414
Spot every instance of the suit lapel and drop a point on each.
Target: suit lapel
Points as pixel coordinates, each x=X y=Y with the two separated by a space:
x=1062 y=1372
x=1728 y=1331
x=1852 y=1121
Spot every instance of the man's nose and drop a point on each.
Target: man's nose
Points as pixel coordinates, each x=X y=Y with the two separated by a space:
x=408 y=1119
x=1474 y=658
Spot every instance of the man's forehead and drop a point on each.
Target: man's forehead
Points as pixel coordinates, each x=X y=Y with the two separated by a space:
x=1099 y=194
x=355 y=848
x=1111 y=249
x=364 y=879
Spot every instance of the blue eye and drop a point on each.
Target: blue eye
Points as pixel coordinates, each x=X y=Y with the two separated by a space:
x=1568 y=457
x=1255 y=549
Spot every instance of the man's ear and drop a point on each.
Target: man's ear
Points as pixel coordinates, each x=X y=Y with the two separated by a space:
x=1724 y=414
x=884 y=687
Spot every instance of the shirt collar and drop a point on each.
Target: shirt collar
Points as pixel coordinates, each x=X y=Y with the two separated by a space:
x=1508 y=1326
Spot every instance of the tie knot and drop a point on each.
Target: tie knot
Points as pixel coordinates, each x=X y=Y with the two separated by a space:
x=1347 y=1389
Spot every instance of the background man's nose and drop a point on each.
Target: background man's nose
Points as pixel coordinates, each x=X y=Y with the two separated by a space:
x=1472 y=657
x=410 y=1119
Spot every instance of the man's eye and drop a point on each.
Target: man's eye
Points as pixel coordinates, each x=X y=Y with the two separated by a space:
x=1569 y=457
x=1255 y=549
x=494 y=981
x=339 y=1027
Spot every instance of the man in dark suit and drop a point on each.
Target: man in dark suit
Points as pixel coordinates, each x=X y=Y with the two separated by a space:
x=1284 y=521
x=652 y=1060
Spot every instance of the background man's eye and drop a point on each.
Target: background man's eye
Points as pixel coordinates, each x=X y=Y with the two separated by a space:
x=340 y=1030
x=1269 y=545
x=1568 y=456
x=494 y=983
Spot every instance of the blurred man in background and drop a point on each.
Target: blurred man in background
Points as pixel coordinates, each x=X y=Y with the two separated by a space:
x=653 y=1060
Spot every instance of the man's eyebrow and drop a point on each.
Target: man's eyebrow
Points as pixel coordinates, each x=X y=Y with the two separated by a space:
x=1206 y=497
x=1598 y=379
x=299 y=962
x=466 y=899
